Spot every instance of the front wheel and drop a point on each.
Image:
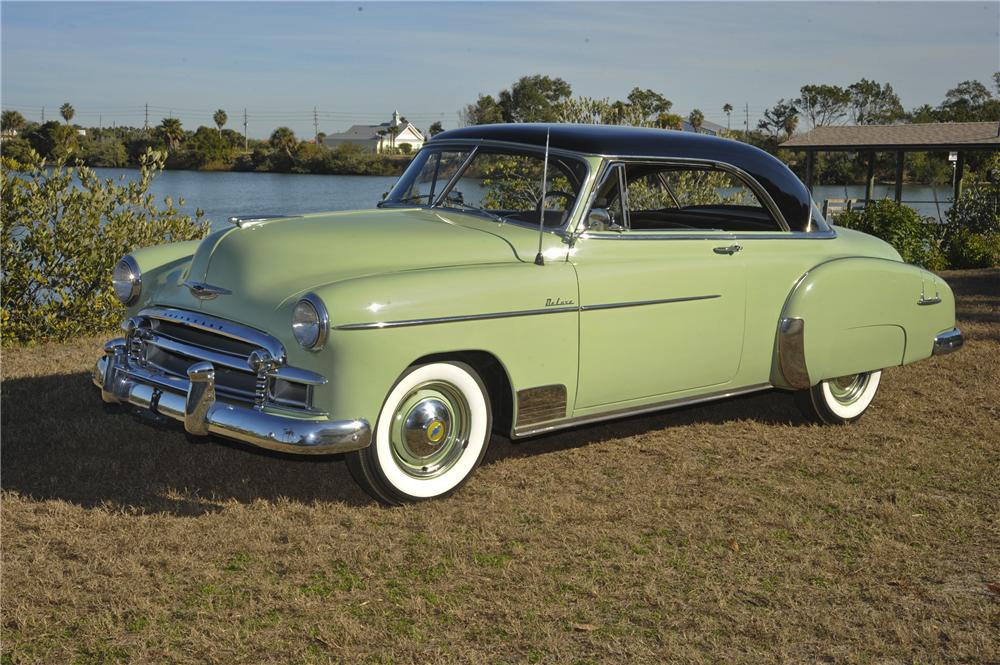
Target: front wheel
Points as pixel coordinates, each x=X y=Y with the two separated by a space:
x=840 y=400
x=431 y=434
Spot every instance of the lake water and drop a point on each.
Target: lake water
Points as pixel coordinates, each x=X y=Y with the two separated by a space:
x=229 y=194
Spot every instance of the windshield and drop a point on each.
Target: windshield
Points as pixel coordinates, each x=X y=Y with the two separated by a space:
x=502 y=183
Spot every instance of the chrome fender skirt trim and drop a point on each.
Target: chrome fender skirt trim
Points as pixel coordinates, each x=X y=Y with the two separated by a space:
x=948 y=341
x=792 y=353
x=193 y=403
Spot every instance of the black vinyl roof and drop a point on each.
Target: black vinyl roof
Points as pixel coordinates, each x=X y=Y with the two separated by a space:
x=787 y=191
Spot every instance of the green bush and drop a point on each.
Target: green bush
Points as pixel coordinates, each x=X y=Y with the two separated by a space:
x=916 y=238
x=62 y=229
x=972 y=231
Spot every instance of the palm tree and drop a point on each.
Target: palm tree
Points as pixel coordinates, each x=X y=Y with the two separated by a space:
x=728 y=110
x=393 y=132
x=67 y=112
x=790 y=124
x=696 y=118
x=283 y=138
x=12 y=121
x=220 y=118
x=171 y=130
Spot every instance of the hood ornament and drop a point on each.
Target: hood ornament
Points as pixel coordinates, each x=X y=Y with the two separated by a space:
x=203 y=291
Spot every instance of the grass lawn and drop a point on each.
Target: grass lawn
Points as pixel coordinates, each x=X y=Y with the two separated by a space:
x=729 y=532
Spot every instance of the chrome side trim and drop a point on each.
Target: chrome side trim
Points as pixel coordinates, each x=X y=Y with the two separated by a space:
x=718 y=235
x=219 y=327
x=375 y=325
x=643 y=303
x=948 y=342
x=536 y=405
x=193 y=402
x=520 y=432
x=791 y=352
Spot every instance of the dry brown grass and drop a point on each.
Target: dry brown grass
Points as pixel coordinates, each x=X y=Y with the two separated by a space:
x=729 y=532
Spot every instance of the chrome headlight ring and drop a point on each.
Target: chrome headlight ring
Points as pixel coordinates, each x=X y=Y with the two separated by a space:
x=126 y=278
x=310 y=322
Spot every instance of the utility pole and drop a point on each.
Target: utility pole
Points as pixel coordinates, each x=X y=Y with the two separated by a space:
x=43 y=115
x=746 y=122
x=146 y=125
x=246 y=141
x=100 y=121
x=315 y=125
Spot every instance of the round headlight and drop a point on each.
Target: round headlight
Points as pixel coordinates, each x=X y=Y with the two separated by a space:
x=310 y=322
x=127 y=280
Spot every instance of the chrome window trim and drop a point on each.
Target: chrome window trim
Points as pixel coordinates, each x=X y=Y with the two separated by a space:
x=454 y=179
x=405 y=323
x=474 y=144
x=748 y=179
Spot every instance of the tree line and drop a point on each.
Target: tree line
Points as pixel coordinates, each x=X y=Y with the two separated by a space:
x=214 y=148
x=540 y=98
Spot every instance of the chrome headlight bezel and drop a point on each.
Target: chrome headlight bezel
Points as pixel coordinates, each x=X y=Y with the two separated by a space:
x=127 y=274
x=310 y=322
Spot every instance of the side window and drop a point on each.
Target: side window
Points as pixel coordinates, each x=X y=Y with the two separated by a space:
x=666 y=197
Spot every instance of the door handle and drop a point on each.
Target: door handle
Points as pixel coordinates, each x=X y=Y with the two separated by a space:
x=731 y=249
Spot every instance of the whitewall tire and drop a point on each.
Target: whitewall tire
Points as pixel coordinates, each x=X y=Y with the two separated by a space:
x=840 y=400
x=431 y=434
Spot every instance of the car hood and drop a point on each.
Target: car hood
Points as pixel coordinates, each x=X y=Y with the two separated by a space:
x=264 y=264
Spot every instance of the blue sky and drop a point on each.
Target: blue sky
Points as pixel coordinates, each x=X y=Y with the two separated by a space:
x=358 y=61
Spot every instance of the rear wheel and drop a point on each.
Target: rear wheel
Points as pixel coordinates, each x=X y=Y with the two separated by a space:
x=840 y=400
x=431 y=435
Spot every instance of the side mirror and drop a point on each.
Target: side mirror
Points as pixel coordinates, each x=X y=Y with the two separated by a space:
x=599 y=219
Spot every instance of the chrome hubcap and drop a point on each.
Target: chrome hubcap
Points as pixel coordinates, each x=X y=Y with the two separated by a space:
x=847 y=389
x=430 y=429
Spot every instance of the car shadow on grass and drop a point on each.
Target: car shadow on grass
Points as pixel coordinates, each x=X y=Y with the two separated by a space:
x=60 y=442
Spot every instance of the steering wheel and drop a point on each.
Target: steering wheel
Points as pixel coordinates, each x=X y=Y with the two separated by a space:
x=569 y=198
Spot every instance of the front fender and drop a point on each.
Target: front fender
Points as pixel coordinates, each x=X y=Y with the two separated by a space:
x=859 y=314
x=382 y=324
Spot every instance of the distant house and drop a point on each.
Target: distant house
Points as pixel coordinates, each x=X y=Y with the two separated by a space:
x=379 y=138
x=707 y=127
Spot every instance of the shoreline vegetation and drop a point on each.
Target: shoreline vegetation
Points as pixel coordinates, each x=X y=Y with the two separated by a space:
x=535 y=98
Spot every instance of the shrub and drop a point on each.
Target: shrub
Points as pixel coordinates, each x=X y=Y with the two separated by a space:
x=62 y=229
x=916 y=238
x=972 y=232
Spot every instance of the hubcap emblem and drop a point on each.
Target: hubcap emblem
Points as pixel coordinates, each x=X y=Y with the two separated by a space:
x=435 y=431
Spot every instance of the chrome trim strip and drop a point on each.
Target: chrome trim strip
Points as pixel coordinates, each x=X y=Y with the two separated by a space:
x=375 y=325
x=196 y=353
x=791 y=352
x=643 y=303
x=194 y=405
x=635 y=411
x=719 y=235
x=453 y=319
x=219 y=327
x=948 y=342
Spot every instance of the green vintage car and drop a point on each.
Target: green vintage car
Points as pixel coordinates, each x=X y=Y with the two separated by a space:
x=518 y=279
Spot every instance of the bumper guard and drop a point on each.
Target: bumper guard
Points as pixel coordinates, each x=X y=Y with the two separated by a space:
x=193 y=403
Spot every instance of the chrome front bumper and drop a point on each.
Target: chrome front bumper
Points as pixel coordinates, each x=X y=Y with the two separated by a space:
x=948 y=341
x=193 y=403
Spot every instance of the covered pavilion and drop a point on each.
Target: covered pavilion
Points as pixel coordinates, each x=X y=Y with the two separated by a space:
x=958 y=137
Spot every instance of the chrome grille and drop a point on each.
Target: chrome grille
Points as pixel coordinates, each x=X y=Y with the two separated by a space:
x=169 y=341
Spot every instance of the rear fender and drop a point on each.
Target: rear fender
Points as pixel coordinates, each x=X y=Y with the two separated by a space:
x=858 y=314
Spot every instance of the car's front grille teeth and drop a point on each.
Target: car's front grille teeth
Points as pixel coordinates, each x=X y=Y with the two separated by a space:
x=171 y=348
